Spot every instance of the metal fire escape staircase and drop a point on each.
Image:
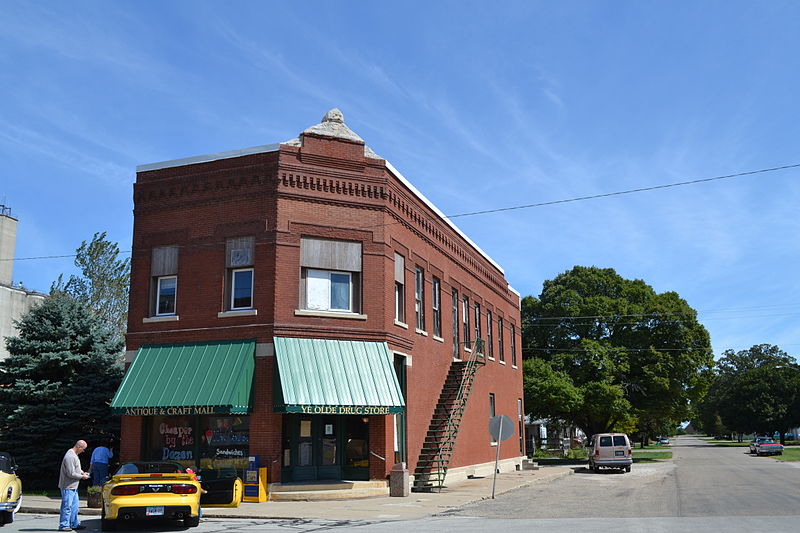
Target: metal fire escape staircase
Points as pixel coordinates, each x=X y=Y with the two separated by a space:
x=434 y=458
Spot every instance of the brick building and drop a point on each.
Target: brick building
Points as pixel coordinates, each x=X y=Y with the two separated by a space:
x=304 y=303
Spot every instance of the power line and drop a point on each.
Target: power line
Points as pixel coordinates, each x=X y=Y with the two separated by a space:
x=628 y=191
x=525 y=206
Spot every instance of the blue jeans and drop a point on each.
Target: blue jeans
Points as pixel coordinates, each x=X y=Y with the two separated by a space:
x=68 y=518
x=99 y=473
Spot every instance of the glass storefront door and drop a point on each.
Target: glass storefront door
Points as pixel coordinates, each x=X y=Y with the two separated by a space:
x=325 y=447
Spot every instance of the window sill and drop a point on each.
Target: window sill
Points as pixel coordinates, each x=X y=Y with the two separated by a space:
x=468 y=350
x=329 y=314
x=502 y=362
x=514 y=367
x=421 y=332
x=490 y=358
x=237 y=312
x=168 y=318
x=438 y=339
x=493 y=443
x=401 y=324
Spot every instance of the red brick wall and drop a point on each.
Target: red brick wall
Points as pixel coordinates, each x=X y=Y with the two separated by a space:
x=326 y=189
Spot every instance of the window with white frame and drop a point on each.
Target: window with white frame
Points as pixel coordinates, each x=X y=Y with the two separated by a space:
x=241 y=289
x=513 y=345
x=489 y=340
x=327 y=290
x=239 y=255
x=500 y=335
x=465 y=318
x=436 y=306
x=478 y=322
x=454 y=295
x=399 y=288
x=419 y=297
x=164 y=275
x=330 y=272
x=166 y=292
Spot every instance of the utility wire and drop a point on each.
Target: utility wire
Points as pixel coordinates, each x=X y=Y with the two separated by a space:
x=525 y=206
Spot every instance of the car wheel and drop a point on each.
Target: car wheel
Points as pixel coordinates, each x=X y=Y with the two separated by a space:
x=589 y=467
x=7 y=517
x=191 y=521
x=627 y=469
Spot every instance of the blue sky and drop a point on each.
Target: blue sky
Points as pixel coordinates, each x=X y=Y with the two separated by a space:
x=480 y=105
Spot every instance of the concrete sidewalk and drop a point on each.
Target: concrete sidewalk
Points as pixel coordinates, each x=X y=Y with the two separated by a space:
x=417 y=505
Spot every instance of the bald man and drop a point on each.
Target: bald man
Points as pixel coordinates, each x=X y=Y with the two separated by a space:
x=71 y=475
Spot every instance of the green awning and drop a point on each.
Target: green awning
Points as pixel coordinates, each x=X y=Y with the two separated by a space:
x=320 y=376
x=188 y=379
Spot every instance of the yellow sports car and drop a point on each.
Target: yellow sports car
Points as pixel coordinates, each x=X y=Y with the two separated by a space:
x=10 y=489
x=151 y=491
x=163 y=490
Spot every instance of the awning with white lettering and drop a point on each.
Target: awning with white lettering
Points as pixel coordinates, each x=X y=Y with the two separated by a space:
x=322 y=376
x=188 y=379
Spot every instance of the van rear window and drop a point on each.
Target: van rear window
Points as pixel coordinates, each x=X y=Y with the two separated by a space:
x=619 y=440
x=605 y=441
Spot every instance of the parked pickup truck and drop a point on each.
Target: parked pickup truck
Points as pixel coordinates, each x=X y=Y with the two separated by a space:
x=766 y=446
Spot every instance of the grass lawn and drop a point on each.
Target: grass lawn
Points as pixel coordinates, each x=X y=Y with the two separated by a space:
x=789 y=454
x=644 y=456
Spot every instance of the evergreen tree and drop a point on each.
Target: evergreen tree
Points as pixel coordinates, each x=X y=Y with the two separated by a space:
x=56 y=387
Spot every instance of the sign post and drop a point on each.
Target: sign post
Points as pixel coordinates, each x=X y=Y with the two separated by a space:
x=500 y=428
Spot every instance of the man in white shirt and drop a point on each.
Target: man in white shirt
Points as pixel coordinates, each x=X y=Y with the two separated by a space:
x=71 y=474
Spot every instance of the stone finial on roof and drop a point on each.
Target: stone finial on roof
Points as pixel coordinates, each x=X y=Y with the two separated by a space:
x=334 y=115
x=333 y=125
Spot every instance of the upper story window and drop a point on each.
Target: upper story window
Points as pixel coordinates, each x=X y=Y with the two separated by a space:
x=239 y=255
x=489 y=339
x=419 y=297
x=478 y=322
x=436 y=306
x=164 y=276
x=399 y=288
x=330 y=275
x=513 y=345
x=500 y=336
x=465 y=318
x=166 y=291
x=454 y=295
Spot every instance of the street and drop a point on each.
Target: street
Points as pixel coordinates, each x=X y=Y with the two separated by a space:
x=704 y=487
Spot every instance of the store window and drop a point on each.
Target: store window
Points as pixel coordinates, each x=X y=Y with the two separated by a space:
x=356 y=450
x=218 y=445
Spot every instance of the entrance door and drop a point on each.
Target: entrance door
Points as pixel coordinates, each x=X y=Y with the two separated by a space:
x=321 y=447
x=313 y=450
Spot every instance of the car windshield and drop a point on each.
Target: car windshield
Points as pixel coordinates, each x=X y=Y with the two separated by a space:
x=6 y=463
x=150 y=468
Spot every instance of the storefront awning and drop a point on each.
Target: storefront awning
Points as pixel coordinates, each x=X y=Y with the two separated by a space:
x=188 y=379
x=319 y=376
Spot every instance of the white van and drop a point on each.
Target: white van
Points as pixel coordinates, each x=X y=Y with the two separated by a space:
x=610 y=450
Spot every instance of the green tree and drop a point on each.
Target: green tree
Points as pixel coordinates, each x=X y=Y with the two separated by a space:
x=103 y=285
x=755 y=391
x=632 y=355
x=56 y=387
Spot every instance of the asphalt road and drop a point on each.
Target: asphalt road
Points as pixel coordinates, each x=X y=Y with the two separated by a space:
x=701 y=481
x=704 y=488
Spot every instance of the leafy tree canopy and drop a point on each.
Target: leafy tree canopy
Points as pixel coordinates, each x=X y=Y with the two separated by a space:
x=754 y=391
x=103 y=285
x=627 y=352
x=56 y=387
